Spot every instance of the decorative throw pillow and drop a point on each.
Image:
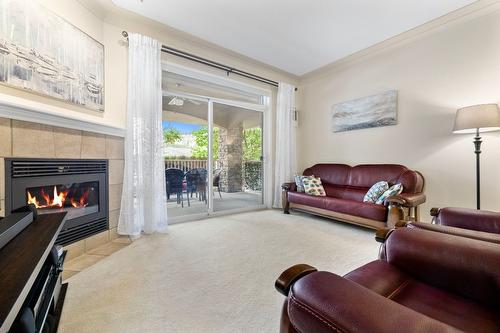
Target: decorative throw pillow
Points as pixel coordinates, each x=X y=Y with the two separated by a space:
x=299 y=183
x=376 y=191
x=313 y=186
x=394 y=190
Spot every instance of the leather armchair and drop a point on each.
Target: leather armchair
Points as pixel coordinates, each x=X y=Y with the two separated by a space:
x=423 y=282
x=465 y=218
x=473 y=234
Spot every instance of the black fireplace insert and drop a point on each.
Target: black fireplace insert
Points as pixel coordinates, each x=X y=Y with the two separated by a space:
x=78 y=187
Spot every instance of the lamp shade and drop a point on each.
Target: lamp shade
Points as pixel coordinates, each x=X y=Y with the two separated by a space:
x=485 y=117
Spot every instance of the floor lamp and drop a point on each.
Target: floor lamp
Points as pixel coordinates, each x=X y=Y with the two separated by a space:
x=477 y=119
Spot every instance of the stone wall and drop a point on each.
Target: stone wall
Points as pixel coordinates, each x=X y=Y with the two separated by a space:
x=231 y=158
x=25 y=139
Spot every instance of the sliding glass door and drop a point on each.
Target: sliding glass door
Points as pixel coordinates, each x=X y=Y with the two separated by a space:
x=237 y=157
x=185 y=132
x=214 y=148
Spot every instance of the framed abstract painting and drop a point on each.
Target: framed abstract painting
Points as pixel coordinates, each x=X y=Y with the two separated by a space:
x=42 y=53
x=366 y=112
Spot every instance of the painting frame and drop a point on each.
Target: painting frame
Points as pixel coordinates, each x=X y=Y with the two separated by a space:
x=372 y=111
x=95 y=90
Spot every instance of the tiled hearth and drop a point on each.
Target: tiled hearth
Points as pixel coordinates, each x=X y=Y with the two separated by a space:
x=26 y=139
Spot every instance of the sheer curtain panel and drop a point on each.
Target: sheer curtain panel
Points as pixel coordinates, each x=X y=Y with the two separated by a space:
x=143 y=205
x=286 y=161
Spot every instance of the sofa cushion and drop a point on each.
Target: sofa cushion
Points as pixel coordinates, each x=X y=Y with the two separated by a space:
x=389 y=281
x=361 y=209
x=305 y=199
x=365 y=175
x=394 y=190
x=299 y=183
x=333 y=174
x=418 y=252
x=355 y=194
x=313 y=186
x=335 y=191
x=375 y=191
x=344 y=192
x=369 y=276
x=444 y=306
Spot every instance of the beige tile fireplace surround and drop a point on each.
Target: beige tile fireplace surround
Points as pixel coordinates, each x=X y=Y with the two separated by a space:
x=26 y=139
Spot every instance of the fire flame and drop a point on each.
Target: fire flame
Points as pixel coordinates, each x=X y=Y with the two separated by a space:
x=82 y=202
x=58 y=199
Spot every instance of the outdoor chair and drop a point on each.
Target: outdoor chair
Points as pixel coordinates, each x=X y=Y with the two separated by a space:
x=216 y=180
x=174 y=179
x=196 y=182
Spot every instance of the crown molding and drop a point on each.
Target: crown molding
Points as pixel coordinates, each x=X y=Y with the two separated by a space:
x=464 y=14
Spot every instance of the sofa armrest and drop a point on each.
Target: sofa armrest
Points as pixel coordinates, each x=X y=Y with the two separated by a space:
x=285 y=188
x=325 y=302
x=289 y=187
x=407 y=199
x=382 y=234
x=285 y=281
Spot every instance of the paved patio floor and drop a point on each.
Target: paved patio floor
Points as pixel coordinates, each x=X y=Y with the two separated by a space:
x=228 y=201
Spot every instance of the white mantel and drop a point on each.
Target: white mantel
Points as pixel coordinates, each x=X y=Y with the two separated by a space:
x=21 y=109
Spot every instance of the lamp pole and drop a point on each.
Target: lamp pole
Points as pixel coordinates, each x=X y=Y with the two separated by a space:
x=481 y=118
x=477 y=151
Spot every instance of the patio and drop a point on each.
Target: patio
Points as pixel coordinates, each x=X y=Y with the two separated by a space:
x=228 y=201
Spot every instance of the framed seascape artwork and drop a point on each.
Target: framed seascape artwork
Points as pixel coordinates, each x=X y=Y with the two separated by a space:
x=44 y=54
x=366 y=112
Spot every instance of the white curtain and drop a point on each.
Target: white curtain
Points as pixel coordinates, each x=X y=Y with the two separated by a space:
x=286 y=160
x=143 y=206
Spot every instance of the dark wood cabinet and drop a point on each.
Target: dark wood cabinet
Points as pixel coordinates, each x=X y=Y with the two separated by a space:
x=30 y=268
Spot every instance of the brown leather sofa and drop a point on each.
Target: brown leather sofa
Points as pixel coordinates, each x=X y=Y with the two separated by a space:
x=423 y=282
x=345 y=187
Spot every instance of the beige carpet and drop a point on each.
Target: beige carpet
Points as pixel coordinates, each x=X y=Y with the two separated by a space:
x=214 y=275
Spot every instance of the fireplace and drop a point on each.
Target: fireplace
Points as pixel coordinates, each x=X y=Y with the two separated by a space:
x=78 y=187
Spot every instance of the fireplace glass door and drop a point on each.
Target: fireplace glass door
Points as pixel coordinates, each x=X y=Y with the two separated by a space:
x=77 y=199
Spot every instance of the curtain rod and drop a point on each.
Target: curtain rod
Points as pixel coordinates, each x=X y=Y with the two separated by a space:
x=213 y=64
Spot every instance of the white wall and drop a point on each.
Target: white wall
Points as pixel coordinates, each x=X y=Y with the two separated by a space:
x=453 y=66
x=105 y=22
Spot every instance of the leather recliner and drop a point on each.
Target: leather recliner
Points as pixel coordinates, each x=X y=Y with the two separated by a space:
x=466 y=218
x=423 y=282
x=464 y=222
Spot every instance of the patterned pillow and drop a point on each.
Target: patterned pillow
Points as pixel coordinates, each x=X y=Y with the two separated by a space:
x=394 y=190
x=313 y=186
x=375 y=191
x=299 y=183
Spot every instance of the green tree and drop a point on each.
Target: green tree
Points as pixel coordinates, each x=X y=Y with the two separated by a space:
x=171 y=135
x=201 y=141
x=252 y=144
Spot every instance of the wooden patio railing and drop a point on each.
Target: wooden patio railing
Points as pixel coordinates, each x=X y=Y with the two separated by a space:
x=186 y=165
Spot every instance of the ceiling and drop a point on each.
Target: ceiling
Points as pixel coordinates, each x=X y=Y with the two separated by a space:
x=225 y=116
x=297 y=36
